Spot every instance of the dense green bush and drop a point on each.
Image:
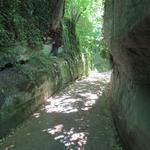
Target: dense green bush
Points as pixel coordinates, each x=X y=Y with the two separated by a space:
x=24 y=21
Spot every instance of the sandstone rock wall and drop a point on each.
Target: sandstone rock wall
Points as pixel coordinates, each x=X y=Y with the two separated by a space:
x=127 y=32
x=25 y=87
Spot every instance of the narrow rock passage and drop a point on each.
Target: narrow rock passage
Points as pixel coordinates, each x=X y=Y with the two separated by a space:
x=77 y=118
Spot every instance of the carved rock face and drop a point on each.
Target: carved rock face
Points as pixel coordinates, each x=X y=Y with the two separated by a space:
x=127 y=32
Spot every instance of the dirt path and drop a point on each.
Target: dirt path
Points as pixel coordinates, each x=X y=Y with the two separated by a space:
x=77 y=118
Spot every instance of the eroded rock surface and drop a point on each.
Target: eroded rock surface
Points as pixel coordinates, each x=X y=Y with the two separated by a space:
x=127 y=25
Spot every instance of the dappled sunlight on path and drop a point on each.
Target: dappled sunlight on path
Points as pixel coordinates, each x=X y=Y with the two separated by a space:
x=77 y=118
x=81 y=96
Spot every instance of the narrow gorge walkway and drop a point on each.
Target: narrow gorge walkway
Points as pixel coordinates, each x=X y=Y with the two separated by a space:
x=77 y=118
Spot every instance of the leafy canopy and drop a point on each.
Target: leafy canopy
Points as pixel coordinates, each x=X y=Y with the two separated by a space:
x=88 y=15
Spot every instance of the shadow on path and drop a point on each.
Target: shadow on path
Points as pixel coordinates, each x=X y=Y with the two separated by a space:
x=77 y=118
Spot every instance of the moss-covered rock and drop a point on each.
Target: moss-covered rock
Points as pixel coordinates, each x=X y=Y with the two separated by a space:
x=24 y=88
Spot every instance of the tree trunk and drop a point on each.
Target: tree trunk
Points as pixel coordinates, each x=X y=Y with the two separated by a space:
x=57 y=14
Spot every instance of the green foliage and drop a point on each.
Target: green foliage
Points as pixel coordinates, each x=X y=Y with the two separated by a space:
x=88 y=15
x=74 y=7
x=34 y=37
x=6 y=37
x=24 y=21
x=27 y=21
